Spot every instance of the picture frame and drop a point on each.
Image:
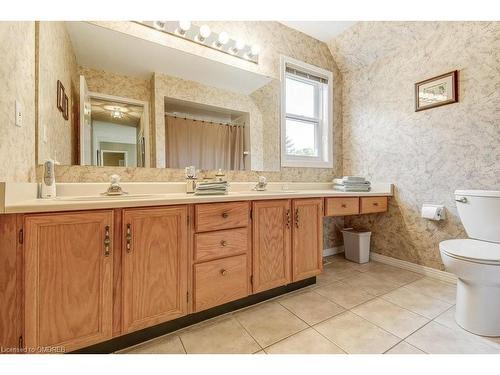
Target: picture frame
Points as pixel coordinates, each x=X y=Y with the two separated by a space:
x=60 y=96
x=436 y=91
x=66 y=107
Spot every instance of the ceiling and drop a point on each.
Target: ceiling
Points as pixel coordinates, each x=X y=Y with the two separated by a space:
x=100 y=48
x=102 y=111
x=321 y=30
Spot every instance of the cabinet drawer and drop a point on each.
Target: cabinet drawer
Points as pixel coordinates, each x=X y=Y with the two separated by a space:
x=220 y=281
x=371 y=205
x=219 y=244
x=215 y=216
x=342 y=206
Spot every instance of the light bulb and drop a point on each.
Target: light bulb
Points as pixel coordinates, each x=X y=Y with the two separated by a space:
x=204 y=33
x=184 y=26
x=255 y=50
x=223 y=39
x=240 y=44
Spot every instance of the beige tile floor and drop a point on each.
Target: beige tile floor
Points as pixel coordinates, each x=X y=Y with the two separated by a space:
x=353 y=308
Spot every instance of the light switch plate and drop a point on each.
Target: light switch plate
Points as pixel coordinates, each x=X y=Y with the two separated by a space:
x=19 y=114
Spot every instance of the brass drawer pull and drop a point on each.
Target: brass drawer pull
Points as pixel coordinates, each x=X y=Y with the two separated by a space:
x=375 y=203
x=296 y=218
x=128 y=238
x=225 y=215
x=223 y=272
x=343 y=205
x=223 y=243
x=107 y=242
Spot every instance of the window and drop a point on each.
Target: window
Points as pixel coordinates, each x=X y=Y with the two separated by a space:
x=306 y=115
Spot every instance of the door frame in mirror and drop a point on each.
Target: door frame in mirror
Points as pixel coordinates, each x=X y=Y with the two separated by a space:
x=147 y=124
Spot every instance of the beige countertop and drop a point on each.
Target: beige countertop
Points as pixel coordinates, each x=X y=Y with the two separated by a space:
x=22 y=198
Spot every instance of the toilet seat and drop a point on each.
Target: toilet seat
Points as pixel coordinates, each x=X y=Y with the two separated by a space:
x=472 y=251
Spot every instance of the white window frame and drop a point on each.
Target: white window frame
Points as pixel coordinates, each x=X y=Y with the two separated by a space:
x=325 y=147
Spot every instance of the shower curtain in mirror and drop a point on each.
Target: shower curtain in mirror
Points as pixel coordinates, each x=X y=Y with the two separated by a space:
x=205 y=145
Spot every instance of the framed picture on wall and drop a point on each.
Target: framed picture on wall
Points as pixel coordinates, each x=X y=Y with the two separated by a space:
x=436 y=91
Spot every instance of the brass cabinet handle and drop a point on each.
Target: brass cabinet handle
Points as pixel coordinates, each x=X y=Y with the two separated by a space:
x=225 y=215
x=223 y=272
x=296 y=218
x=107 y=241
x=223 y=243
x=128 y=238
x=343 y=205
x=288 y=218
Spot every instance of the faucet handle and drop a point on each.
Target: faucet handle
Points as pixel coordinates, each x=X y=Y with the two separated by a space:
x=115 y=179
x=262 y=180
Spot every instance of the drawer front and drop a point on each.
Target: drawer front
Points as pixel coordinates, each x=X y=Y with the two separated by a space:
x=371 y=205
x=342 y=206
x=215 y=216
x=220 y=281
x=219 y=244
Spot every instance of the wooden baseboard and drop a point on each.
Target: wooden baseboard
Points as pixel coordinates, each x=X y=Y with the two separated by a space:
x=417 y=268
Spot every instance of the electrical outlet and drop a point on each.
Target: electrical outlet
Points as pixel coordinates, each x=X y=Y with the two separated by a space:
x=19 y=114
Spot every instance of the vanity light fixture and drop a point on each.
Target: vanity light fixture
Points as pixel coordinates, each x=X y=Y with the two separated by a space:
x=222 y=39
x=254 y=51
x=117 y=113
x=202 y=35
x=238 y=46
x=159 y=25
x=184 y=27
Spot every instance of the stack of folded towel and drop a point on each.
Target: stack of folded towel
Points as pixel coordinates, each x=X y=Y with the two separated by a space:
x=351 y=183
x=211 y=188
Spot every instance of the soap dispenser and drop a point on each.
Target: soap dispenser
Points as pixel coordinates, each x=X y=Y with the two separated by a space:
x=49 y=179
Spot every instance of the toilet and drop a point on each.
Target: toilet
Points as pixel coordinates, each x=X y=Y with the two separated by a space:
x=476 y=262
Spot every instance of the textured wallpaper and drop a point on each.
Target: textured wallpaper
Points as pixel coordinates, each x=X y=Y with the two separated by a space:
x=17 y=74
x=57 y=61
x=428 y=154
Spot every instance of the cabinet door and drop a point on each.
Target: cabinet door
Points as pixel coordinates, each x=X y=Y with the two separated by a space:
x=307 y=248
x=271 y=244
x=154 y=266
x=68 y=279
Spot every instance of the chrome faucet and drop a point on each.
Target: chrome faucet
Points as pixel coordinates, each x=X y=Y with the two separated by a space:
x=115 y=188
x=190 y=179
x=261 y=185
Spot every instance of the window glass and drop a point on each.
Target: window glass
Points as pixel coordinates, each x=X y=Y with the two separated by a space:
x=300 y=98
x=301 y=138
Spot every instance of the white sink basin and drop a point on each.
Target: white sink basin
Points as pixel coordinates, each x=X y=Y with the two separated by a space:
x=109 y=197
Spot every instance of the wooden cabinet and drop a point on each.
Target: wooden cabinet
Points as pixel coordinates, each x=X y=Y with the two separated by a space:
x=370 y=205
x=341 y=206
x=155 y=268
x=220 y=281
x=271 y=244
x=68 y=279
x=307 y=238
x=216 y=216
x=220 y=244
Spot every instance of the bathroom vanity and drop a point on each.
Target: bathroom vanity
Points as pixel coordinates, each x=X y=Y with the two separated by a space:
x=81 y=271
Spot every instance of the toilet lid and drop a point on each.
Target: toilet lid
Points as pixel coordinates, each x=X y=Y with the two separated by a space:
x=472 y=250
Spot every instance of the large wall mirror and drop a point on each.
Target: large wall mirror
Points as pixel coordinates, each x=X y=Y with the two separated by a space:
x=106 y=98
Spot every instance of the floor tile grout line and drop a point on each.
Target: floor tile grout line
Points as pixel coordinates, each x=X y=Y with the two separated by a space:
x=182 y=343
x=248 y=332
x=327 y=338
x=284 y=338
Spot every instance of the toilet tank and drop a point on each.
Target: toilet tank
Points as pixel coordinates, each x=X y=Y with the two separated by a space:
x=479 y=211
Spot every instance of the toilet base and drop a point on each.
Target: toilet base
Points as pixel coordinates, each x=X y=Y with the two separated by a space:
x=478 y=308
